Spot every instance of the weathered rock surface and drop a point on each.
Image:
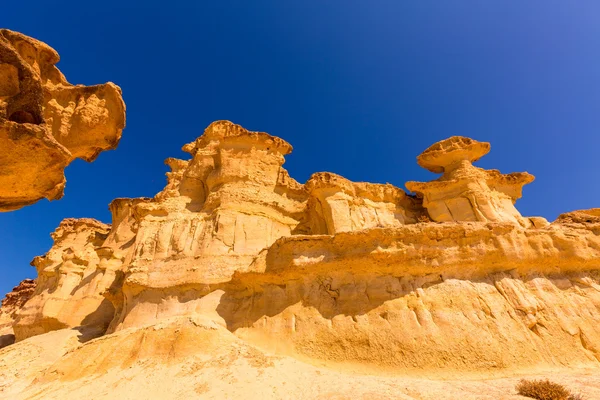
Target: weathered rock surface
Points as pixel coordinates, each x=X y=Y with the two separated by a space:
x=339 y=205
x=235 y=269
x=12 y=303
x=69 y=283
x=45 y=122
x=448 y=297
x=465 y=192
x=591 y=216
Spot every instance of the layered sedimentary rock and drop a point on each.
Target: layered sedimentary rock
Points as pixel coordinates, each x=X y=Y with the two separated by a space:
x=448 y=297
x=591 y=216
x=194 y=358
x=339 y=205
x=12 y=303
x=46 y=122
x=218 y=211
x=69 y=283
x=465 y=192
x=236 y=253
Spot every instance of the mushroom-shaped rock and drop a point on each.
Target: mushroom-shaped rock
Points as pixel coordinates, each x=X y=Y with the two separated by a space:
x=45 y=122
x=450 y=151
x=465 y=192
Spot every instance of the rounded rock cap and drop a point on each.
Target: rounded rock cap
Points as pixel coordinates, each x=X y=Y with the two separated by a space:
x=448 y=151
x=226 y=130
x=47 y=53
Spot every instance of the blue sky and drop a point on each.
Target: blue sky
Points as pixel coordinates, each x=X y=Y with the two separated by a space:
x=359 y=88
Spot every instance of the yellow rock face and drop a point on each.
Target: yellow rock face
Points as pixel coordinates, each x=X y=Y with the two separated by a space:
x=426 y=297
x=70 y=281
x=465 y=192
x=12 y=303
x=236 y=268
x=45 y=122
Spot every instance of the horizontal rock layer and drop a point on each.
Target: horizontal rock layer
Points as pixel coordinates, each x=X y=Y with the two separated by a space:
x=192 y=357
x=453 y=297
x=452 y=279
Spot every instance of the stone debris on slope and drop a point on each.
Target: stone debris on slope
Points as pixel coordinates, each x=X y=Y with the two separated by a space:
x=353 y=276
x=46 y=122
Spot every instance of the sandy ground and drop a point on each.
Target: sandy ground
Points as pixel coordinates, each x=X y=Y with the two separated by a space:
x=189 y=359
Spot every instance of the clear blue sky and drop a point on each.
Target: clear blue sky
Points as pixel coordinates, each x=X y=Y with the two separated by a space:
x=359 y=88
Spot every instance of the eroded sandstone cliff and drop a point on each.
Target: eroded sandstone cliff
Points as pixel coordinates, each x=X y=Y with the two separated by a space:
x=46 y=122
x=70 y=281
x=465 y=192
x=12 y=303
x=236 y=256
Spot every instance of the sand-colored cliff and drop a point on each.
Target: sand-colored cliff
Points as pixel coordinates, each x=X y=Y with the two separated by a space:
x=12 y=303
x=46 y=122
x=238 y=281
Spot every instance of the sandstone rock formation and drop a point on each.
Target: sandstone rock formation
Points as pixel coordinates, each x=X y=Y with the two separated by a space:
x=71 y=279
x=236 y=268
x=12 y=303
x=465 y=192
x=580 y=216
x=339 y=205
x=449 y=297
x=45 y=122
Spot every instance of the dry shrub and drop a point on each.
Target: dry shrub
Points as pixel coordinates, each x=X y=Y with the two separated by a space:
x=545 y=390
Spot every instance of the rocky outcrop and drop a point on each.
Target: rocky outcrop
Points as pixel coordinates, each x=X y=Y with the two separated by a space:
x=217 y=212
x=465 y=192
x=19 y=296
x=70 y=281
x=12 y=303
x=455 y=297
x=591 y=216
x=235 y=252
x=45 y=122
x=339 y=205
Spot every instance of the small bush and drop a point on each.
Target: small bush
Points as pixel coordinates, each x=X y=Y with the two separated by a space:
x=545 y=390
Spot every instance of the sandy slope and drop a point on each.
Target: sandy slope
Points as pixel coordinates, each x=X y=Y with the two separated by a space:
x=192 y=357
